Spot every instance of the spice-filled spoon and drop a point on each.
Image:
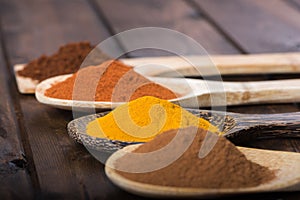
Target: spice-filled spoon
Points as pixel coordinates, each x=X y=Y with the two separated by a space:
x=222 y=93
x=285 y=164
x=191 y=65
x=238 y=128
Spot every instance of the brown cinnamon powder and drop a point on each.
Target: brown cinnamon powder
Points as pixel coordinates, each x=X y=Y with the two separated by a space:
x=66 y=60
x=111 y=81
x=224 y=167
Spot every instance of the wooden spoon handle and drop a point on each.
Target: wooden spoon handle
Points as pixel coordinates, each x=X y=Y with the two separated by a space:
x=264 y=126
x=279 y=91
x=226 y=64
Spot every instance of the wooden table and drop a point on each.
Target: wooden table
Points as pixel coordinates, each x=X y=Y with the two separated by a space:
x=38 y=159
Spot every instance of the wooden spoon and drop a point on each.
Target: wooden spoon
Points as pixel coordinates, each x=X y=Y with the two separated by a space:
x=285 y=164
x=222 y=93
x=238 y=128
x=226 y=64
x=215 y=93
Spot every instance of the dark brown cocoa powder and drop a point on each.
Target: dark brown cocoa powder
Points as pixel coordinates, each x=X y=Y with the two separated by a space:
x=66 y=60
x=224 y=167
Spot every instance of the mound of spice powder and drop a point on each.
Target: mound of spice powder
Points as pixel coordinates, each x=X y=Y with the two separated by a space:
x=143 y=119
x=111 y=81
x=66 y=60
x=223 y=167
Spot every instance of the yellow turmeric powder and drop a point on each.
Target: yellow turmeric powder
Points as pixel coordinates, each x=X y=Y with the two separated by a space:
x=142 y=119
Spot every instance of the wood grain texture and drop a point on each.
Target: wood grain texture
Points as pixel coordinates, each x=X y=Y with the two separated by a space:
x=256 y=26
x=13 y=163
x=176 y=15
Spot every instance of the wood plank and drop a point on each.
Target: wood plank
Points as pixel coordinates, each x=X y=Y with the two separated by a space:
x=175 y=15
x=256 y=26
x=48 y=141
x=57 y=162
x=16 y=185
x=12 y=161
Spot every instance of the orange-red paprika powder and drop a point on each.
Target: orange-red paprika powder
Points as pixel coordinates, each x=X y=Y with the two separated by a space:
x=111 y=81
